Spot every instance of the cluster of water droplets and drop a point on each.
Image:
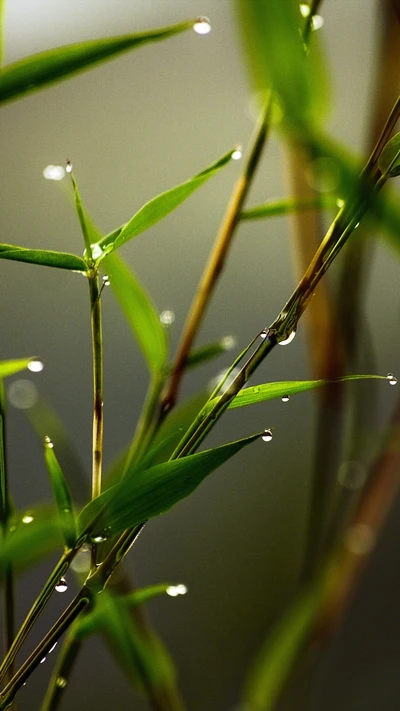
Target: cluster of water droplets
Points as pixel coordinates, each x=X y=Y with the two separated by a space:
x=317 y=21
x=175 y=590
x=392 y=379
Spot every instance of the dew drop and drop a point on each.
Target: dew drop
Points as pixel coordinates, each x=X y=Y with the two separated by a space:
x=106 y=280
x=392 y=379
x=167 y=317
x=61 y=682
x=288 y=340
x=53 y=647
x=68 y=167
x=237 y=153
x=96 y=251
x=43 y=660
x=22 y=394
x=285 y=398
x=27 y=518
x=81 y=562
x=263 y=335
x=355 y=226
x=304 y=9
x=35 y=365
x=175 y=590
x=228 y=342
x=98 y=539
x=317 y=22
x=62 y=586
x=267 y=436
x=54 y=172
x=48 y=443
x=202 y=26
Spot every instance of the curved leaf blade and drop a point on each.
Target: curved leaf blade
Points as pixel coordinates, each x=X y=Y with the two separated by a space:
x=147 y=493
x=271 y=391
x=30 y=542
x=286 y=206
x=10 y=367
x=62 y=495
x=44 y=257
x=139 y=311
x=160 y=206
x=39 y=70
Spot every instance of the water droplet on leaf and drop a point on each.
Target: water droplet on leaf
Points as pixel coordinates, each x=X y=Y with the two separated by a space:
x=392 y=379
x=35 y=365
x=202 y=26
x=27 y=518
x=68 y=167
x=96 y=251
x=175 y=590
x=288 y=340
x=167 y=317
x=237 y=153
x=267 y=436
x=62 y=586
x=61 y=682
x=317 y=22
x=98 y=539
x=285 y=398
x=106 y=280
x=304 y=9
x=48 y=443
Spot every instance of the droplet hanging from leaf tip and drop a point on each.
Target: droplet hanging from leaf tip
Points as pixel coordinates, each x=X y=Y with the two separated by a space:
x=175 y=590
x=267 y=436
x=285 y=398
x=68 y=167
x=27 y=518
x=202 y=25
x=35 y=365
x=62 y=586
x=289 y=339
x=392 y=379
x=237 y=154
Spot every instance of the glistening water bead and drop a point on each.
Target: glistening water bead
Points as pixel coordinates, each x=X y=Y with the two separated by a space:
x=61 y=682
x=48 y=443
x=175 y=590
x=202 y=26
x=62 y=586
x=35 y=365
x=288 y=340
x=392 y=379
x=267 y=436
x=285 y=398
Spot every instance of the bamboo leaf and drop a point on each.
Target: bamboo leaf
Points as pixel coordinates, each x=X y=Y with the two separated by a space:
x=139 y=311
x=208 y=352
x=286 y=206
x=174 y=427
x=32 y=537
x=147 y=493
x=91 y=234
x=10 y=367
x=270 y=671
x=44 y=257
x=159 y=207
x=272 y=32
x=271 y=391
x=389 y=160
x=39 y=70
x=62 y=495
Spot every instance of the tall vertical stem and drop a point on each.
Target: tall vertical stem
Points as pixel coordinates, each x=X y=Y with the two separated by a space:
x=8 y=589
x=97 y=354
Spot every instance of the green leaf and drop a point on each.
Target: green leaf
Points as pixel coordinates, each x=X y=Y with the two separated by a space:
x=208 y=352
x=139 y=311
x=389 y=160
x=270 y=391
x=38 y=70
x=45 y=257
x=10 y=367
x=286 y=206
x=139 y=597
x=160 y=206
x=62 y=495
x=271 y=669
x=272 y=32
x=91 y=234
x=30 y=542
x=137 y=649
x=147 y=493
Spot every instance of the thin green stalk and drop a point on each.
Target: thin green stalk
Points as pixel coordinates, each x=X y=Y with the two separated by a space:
x=62 y=672
x=5 y=515
x=216 y=261
x=97 y=355
x=147 y=424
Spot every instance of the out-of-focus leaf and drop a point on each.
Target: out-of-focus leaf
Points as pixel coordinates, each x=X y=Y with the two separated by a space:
x=139 y=597
x=385 y=212
x=38 y=70
x=139 y=311
x=174 y=427
x=160 y=206
x=139 y=652
x=10 y=367
x=62 y=495
x=44 y=257
x=270 y=391
x=389 y=160
x=285 y=206
x=4 y=494
x=31 y=541
x=208 y=352
x=269 y=673
x=143 y=494
x=272 y=32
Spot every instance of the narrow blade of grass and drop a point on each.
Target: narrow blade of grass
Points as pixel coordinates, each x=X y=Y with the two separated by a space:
x=286 y=206
x=62 y=495
x=37 y=71
x=145 y=494
x=160 y=206
x=44 y=257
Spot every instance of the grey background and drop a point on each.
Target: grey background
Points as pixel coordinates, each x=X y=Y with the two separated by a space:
x=132 y=128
